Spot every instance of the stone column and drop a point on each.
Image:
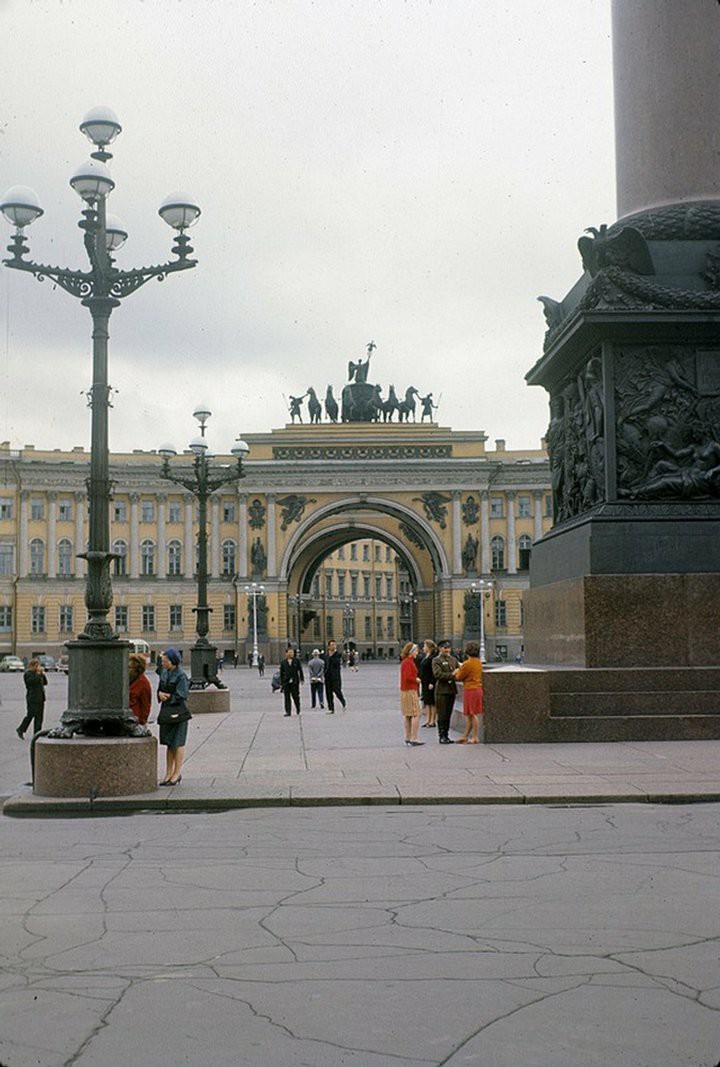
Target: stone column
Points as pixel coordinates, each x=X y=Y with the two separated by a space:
x=80 y=564
x=134 y=535
x=537 y=515
x=23 y=563
x=242 y=560
x=271 y=543
x=161 y=536
x=456 y=533
x=666 y=65
x=214 y=536
x=189 y=553
x=52 y=536
x=485 y=532
x=512 y=545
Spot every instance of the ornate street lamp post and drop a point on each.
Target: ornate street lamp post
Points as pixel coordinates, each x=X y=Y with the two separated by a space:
x=348 y=624
x=98 y=683
x=202 y=482
x=296 y=601
x=254 y=590
x=407 y=620
x=482 y=590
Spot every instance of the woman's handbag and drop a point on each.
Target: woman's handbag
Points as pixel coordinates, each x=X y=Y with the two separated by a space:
x=170 y=714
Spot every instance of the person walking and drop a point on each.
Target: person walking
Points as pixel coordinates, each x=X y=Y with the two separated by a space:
x=261 y=665
x=35 y=681
x=409 y=699
x=140 y=689
x=443 y=666
x=470 y=674
x=427 y=681
x=333 y=677
x=174 y=714
x=316 y=674
x=291 y=675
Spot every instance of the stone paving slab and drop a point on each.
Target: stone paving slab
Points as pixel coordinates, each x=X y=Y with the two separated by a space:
x=253 y=754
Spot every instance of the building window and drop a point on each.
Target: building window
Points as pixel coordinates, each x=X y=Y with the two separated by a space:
x=366 y=552
x=121 y=618
x=148 y=617
x=388 y=554
x=147 y=558
x=174 y=559
x=37 y=556
x=37 y=510
x=368 y=628
x=497 y=546
x=5 y=618
x=379 y=627
x=366 y=586
x=147 y=511
x=175 y=616
x=228 y=558
x=522 y=612
x=378 y=550
x=173 y=511
x=328 y=586
x=329 y=627
x=316 y=627
x=228 y=618
x=228 y=511
x=391 y=627
x=37 y=619
x=316 y=587
x=65 y=621
x=65 y=555
x=496 y=507
x=65 y=511
x=500 y=613
x=120 y=564
x=6 y=507
x=341 y=552
x=524 y=550
x=523 y=507
x=353 y=550
x=353 y=586
x=6 y=559
x=378 y=587
x=389 y=586
x=341 y=586
x=120 y=511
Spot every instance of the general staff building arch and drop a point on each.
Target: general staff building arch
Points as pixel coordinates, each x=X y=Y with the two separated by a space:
x=445 y=511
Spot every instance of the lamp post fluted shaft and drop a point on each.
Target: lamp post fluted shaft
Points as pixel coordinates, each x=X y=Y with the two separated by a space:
x=98 y=682
x=254 y=591
x=482 y=589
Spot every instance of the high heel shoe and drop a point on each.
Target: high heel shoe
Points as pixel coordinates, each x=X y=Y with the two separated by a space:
x=176 y=782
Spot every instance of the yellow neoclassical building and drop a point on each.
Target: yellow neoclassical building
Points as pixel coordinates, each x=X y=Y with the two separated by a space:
x=369 y=533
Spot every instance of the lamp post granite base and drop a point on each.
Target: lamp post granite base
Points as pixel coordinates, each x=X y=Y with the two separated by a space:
x=95 y=766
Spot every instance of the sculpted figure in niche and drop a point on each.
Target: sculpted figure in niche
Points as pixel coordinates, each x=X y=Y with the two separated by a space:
x=469 y=554
x=258 y=557
x=470 y=511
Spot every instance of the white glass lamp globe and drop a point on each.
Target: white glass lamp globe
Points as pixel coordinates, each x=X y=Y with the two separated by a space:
x=21 y=206
x=101 y=126
x=179 y=211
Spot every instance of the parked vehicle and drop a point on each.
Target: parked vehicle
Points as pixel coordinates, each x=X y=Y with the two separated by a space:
x=11 y=663
x=138 y=645
x=48 y=663
x=63 y=664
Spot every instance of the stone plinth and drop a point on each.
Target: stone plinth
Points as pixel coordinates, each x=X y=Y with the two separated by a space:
x=516 y=702
x=101 y=767
x=201 y=701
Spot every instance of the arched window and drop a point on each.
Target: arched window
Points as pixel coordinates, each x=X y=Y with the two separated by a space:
x=497 y=546
x=524 y=549
x=120 y=564
x=228 y=558
x=37 y=556
x=174 y=559
x=65 y=555
x=147 y=558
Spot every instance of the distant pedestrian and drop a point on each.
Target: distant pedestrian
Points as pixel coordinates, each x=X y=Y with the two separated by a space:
x=409 y=699
x=316 y=674
x=333 y=677
x=261 y=665
x=443 y=665
x=352 y=660
x=140 y=689
x=427 y=681
x=470 y=674
x=250 y=659
x=291 y=675
x=35 y=681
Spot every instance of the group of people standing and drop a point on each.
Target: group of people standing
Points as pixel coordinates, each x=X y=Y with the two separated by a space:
x=432 y=676
x=324 y=672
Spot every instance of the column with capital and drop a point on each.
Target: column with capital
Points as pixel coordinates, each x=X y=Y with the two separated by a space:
x=214 y=536
x=52 y=536
x=161 y=535
x=24 y=547
x=189 y=553
x=271 y=542
x=134 y=535
x=511 y=561
x=242 y=560
x=485 y=532
x=456 y=533
x=80 y=564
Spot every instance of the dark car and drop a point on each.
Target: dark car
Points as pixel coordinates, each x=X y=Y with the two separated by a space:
x=47 y=663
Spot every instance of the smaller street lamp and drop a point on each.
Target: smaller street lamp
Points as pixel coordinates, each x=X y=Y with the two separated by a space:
x=296 y=600
x=202 y=482
x=348 y=623
x=482 y=590
x=407 y=607
x=254 y=590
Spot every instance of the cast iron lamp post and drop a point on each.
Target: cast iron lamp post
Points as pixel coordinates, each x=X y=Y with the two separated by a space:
x=407 y=621
x=98 y=685
x=202 y=482
x=348 y=624
x=254 y=590
x=482 y=590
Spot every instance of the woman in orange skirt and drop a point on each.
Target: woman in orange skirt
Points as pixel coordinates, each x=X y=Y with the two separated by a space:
x=470 y=674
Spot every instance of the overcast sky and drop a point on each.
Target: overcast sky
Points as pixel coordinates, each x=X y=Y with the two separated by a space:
x=413 y=173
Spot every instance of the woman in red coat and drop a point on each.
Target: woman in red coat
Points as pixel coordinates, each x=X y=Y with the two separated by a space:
x=409 y=699
x=140 y=689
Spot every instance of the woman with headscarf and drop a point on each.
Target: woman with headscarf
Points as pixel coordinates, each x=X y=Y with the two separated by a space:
x=174 y=714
